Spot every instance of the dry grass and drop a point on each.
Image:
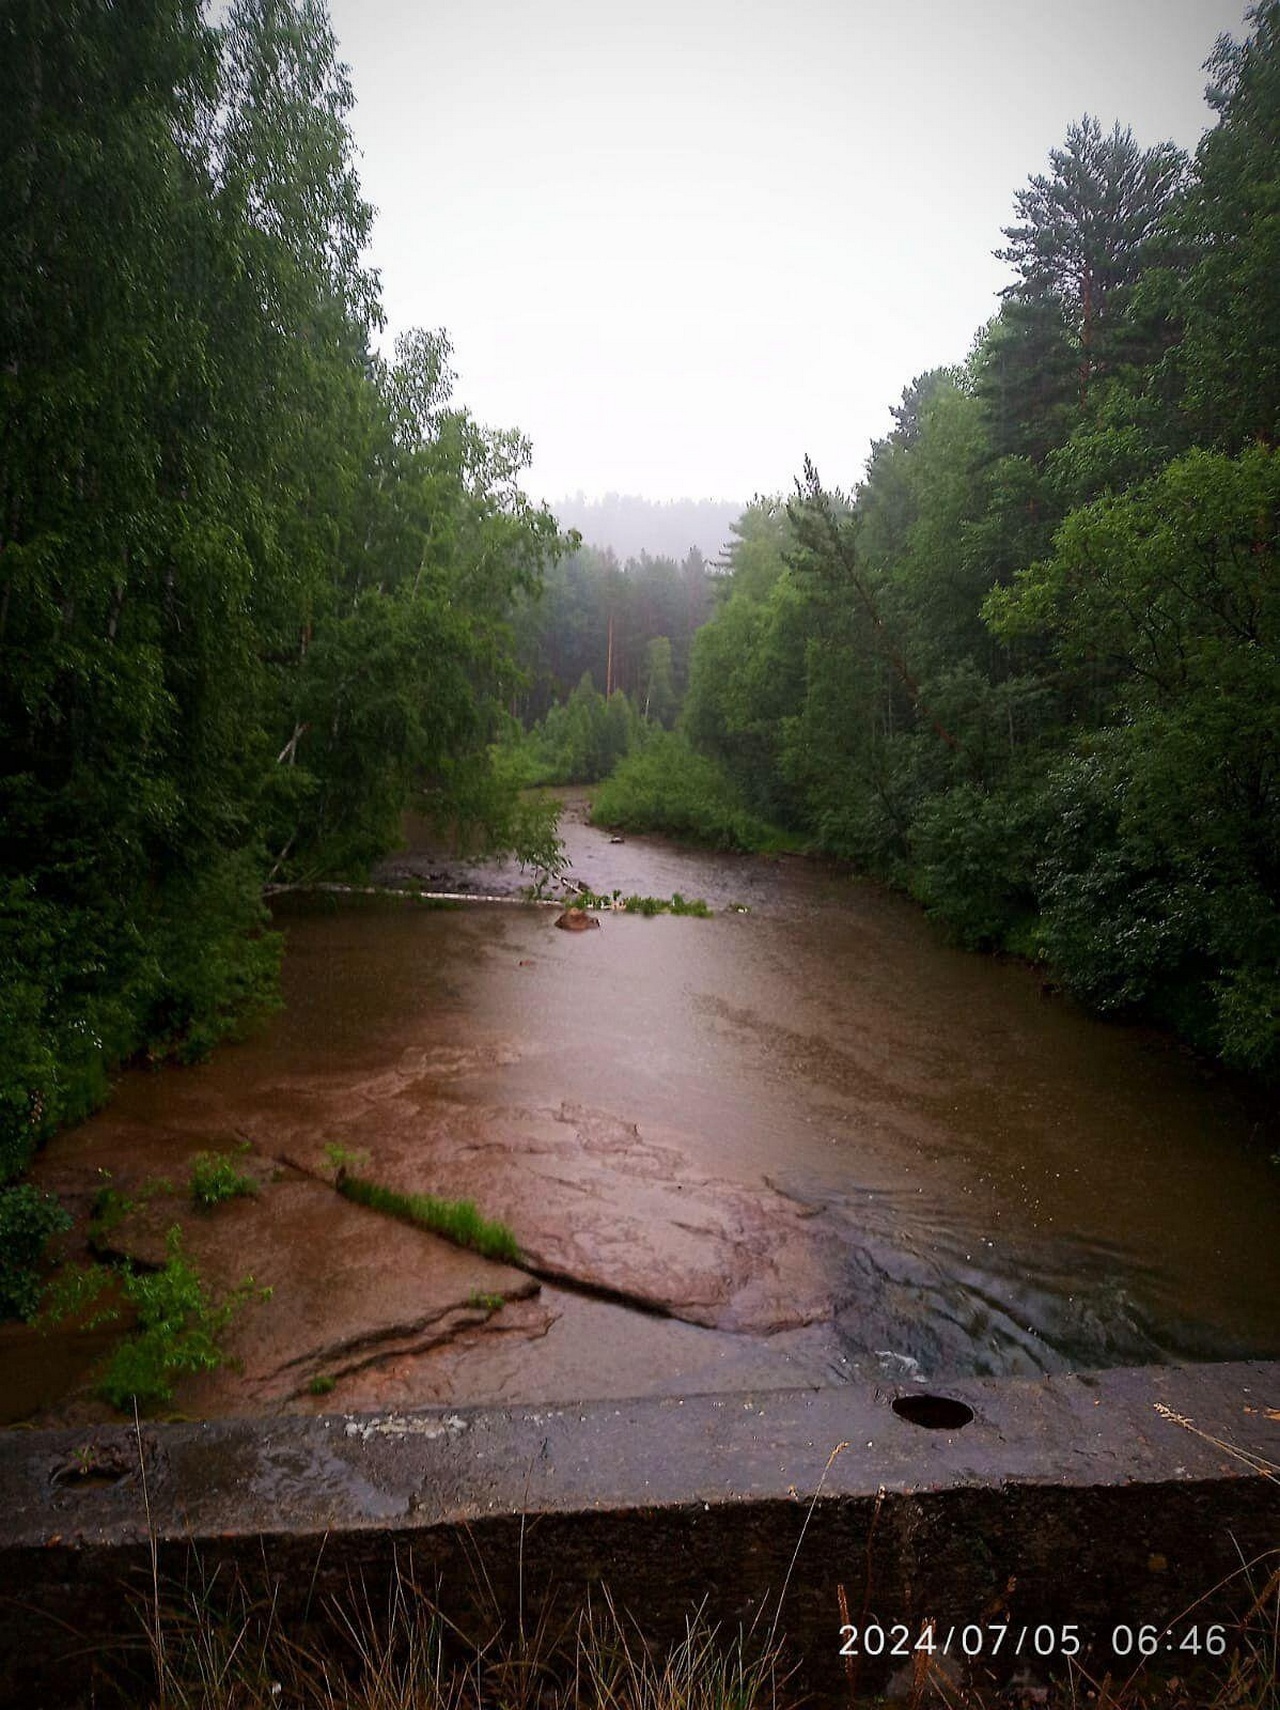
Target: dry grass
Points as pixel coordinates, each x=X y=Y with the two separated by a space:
x=217 y=1648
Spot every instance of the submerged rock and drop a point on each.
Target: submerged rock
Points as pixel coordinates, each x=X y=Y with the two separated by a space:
x=577 y=920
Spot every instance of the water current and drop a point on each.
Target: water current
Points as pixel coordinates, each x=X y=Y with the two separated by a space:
x=803 y=1141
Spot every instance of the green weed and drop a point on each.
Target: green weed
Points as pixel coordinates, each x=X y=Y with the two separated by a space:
x=457 y=1220
x=323 y=1383
x=178 y=1326
x=340 y=1157
x=485 y=1302
x=214 y=1179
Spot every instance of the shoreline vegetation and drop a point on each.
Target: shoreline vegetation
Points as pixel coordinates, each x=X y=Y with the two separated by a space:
x=258 y=578
x=1027 y=669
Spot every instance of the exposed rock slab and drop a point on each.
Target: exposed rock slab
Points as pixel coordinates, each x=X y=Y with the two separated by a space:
x=351 y=1290
x=595 y=1202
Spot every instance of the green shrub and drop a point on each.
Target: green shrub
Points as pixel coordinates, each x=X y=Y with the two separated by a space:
x=178 y=1331
x=973 y=852
x=28 y=1220
x=323 y=1383
x=582 y=739
x=178 y=1327
x=214 y=1178
x=668 y=786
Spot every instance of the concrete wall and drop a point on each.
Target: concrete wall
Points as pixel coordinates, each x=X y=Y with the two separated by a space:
x=1111 y=1499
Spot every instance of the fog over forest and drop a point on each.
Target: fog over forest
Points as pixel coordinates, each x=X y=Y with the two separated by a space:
x=628 y=524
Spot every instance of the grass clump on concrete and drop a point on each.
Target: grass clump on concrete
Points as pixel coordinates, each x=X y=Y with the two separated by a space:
x=456 y=1220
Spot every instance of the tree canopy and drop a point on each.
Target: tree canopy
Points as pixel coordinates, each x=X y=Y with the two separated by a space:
x=255 y=582
x=1030 y=668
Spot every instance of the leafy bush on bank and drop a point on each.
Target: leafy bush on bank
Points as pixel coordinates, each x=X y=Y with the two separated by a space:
x=179 y=1325
x=669 y=787
x=580 y=740
x=28 y=1221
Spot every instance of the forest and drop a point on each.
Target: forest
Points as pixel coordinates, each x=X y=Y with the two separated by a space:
x=263 y=589
x=1029 y=669
x=256 y=580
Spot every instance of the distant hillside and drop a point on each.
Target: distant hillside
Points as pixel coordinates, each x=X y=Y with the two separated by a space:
x=632 y=525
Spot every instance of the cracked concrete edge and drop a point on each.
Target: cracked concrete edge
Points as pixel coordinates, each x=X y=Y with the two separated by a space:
x=311 y=1476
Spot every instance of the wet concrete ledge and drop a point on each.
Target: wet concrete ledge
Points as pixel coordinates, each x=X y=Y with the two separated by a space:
x=1108 y=1499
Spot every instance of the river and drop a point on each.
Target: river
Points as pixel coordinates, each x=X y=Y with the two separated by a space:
x=801 y=1142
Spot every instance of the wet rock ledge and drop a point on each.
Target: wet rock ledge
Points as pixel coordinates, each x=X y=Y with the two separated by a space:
x=1118 y=1497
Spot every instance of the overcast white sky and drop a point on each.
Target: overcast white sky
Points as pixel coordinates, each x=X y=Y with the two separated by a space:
x=681 y=243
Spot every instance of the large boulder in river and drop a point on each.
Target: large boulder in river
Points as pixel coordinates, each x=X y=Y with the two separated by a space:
x=577 y=920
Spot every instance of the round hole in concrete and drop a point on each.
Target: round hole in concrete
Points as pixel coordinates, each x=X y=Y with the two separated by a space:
x=934 y=1412
x=90 y=1469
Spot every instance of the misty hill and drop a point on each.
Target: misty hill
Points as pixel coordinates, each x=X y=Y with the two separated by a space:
x=632 y=525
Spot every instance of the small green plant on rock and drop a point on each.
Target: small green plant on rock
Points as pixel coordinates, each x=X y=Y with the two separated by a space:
x=215 y=1178
x=178 y=1327
x=323 y=1383
x=339 y=1157
x=485 y=1302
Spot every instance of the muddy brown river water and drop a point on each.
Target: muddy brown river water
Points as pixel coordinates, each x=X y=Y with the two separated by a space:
x=803 y=1144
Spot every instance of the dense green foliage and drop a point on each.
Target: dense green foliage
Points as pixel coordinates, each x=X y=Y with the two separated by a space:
x=256 y=582
x=28 y=1219
x=667 y=785
x=1031 y=668
x=178 y=1325
x=580 y=740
